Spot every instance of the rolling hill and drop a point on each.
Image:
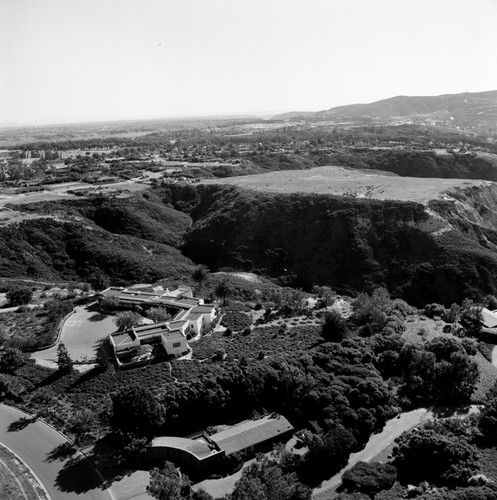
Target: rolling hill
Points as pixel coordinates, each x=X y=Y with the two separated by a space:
x=475 y=111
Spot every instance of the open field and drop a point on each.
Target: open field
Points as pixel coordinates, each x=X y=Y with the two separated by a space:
x=53 y=192
x=344 y=181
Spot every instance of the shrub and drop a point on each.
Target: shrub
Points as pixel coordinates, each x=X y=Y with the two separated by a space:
x=369 y=477
x=236 y=321
x=434 y=310
x=126 y=320
x=12 y=359
x=158 y=314
x=110 y=303
x=442 y=460
x=19 y=295
x=334 y=327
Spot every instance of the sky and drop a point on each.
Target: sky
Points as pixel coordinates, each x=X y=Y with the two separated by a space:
x=67 y=61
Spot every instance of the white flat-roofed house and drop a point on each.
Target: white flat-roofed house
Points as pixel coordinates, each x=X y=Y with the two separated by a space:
x=192 y=317
x=201 y=317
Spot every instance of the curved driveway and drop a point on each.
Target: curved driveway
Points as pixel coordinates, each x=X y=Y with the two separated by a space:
x=81 y=334
x=63 y=470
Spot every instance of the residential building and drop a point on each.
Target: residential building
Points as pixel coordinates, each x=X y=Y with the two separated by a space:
x=191 y=317
x=204 y=453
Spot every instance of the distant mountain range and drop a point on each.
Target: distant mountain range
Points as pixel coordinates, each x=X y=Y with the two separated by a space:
x=475 y=111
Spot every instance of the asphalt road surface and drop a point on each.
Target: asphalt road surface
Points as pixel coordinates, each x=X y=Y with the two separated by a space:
x=64 y=472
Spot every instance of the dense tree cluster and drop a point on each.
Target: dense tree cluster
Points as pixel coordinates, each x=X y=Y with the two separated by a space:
x=19 y=295
x=440 y=459
x=135 y=410
x=369 y=477
x=267 y=479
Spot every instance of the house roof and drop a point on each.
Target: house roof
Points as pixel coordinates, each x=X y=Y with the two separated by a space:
x=203 y=309
x=251 y=432
x=489 y=318
x=173 y=335
x=122 y=338
x=153 y=329
x=197 y=449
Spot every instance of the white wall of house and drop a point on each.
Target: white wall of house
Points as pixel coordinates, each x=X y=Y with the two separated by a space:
x=175 y=347
x=195 y=326
x=209 y=318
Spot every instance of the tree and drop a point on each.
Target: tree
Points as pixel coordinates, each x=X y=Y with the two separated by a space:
x=471 y=318
x=136 y=410
x=167 y=483
x=64 y=361
x=488 y=420
x=201 y=495
x=126 y=320
x=19 y=295
x=222 y=290
x=334 y=327
x=12 y=359
x=4 y=385
x=369 y=477
x=99 y=281
x=158 y=314
x=109 y=303
x=442 y=460
x=102 y=356
x=373 y=309
x=266 y=479
x=200 y=275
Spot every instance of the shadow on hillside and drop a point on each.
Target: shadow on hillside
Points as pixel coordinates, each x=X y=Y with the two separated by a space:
x=61 y=452
x=53 y=377
x=21 y=424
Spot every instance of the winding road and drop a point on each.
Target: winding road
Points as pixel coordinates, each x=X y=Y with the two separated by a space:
x=62 y=469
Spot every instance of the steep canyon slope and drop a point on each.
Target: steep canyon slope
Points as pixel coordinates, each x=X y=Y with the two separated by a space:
x=427 y=240
x=441 y=249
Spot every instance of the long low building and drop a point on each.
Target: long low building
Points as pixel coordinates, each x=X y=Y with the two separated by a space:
x=252 y=434
x=206 y=452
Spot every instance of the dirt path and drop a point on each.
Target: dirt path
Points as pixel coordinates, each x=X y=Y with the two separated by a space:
x=392 y=430
x=379 y=442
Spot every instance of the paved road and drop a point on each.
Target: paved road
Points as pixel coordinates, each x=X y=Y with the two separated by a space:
x=64 y=472
x=81 y=333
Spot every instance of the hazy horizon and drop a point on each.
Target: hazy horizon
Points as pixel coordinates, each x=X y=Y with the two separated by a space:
x=81 y=61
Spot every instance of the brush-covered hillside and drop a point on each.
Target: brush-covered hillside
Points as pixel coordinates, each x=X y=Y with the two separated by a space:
x=131 y=240
x=426 y=240
x=303 y=239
